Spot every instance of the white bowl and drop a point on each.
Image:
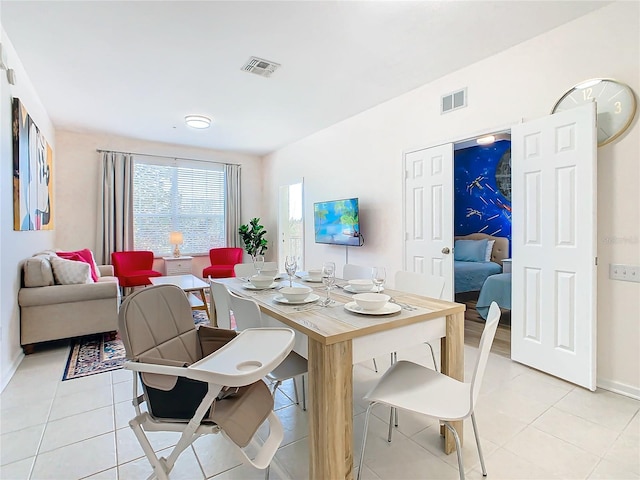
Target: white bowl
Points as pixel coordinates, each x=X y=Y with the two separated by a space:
x=261 y=281
x=371 y=301
x=295 y=294
x=315 y=275
x=360 y=284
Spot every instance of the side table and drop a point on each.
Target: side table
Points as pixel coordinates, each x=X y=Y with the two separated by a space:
x=506 y=265
x=177 y=265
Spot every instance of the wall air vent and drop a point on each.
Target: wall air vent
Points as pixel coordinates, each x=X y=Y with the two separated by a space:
x=261 y=67
x=453 y=101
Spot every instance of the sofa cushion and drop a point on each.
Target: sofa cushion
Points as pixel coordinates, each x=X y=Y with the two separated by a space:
x=38 y=272
x=85 y=256
x=70 y=272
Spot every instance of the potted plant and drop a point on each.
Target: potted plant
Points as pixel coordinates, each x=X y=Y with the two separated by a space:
x=253 y=237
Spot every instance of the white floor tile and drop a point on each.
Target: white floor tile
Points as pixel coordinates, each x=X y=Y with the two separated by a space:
x=505 y=465
x=110 y=474
x=604 y=408
x=608 y=470
x=19 y=470
x=90 y=382
x=186 y=467
x=77 y=460
x=35 y=412
x=80 y=402
x=576 y=430
x=216 y=454
x=129 y=448
x=556 y=455
x=76 y=428
x=20 y=444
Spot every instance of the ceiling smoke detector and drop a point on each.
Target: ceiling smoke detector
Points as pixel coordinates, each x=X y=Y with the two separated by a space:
x=260 y=66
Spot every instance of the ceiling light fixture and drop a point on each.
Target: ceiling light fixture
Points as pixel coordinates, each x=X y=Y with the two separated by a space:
x=486 y=140
x=197 y=121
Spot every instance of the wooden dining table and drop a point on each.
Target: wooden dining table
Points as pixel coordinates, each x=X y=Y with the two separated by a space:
x=338 y=338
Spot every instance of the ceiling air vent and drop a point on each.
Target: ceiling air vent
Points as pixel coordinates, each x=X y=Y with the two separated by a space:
x=453 y=101
x=260 y=66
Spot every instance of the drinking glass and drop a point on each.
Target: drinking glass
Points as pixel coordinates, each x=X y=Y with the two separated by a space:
x=258 y=263
x=328 y=278
x=378 y=276
x=290 y=266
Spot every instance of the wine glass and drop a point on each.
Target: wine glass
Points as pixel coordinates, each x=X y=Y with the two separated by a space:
x=328 y=278
x=258 y=263
x=378 y=276
x=290 y=266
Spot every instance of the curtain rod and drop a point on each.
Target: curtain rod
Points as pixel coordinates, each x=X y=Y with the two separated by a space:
x=166 y=156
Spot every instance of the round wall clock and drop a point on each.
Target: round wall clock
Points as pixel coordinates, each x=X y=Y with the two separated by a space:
x=615 y=105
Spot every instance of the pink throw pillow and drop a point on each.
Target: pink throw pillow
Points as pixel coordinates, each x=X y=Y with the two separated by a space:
x=82 y=256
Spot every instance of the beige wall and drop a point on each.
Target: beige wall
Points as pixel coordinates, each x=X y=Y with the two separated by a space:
x=362 y=157
x=15 y=246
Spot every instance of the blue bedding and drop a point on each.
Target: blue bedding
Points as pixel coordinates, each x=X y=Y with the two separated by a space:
x=497 y=289
x=470 y=276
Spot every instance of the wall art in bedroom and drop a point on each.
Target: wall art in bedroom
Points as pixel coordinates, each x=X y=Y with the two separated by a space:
x=32 y=173
x=483 y=190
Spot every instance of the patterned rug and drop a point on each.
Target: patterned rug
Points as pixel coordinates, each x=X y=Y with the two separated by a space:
x=103 y=352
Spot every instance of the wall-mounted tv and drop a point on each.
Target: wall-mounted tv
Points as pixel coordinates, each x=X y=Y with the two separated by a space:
x=337 y=222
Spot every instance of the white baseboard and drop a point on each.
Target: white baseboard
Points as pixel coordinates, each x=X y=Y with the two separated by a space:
x=8 y=375
x=621 y=388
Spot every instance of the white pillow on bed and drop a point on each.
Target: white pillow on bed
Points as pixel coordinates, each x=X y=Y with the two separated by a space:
x=487 y=255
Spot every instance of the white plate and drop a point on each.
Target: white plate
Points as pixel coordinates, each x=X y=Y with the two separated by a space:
x=348 y=288
x=311 y=298
x=307 y=278
x=386 y=310
x=250 y=286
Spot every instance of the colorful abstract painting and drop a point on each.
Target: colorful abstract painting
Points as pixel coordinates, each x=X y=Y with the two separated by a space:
x=32 y=174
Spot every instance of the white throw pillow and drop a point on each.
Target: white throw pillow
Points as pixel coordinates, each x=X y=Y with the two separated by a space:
x=487 y=255
x=70 y=272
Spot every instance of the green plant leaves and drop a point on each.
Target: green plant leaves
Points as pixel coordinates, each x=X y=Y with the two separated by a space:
x=253 y=237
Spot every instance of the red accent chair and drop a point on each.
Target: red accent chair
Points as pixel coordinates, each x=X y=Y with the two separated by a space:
x=222 y=262
x=133 y=268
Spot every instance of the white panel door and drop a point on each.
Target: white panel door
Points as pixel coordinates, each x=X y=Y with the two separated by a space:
x=428 y=217
x=553 y=321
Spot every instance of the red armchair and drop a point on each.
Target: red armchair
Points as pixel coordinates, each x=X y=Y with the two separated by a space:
x=133 y=268
x=222 y=262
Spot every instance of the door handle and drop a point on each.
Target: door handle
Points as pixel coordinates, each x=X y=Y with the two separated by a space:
x=446 y=250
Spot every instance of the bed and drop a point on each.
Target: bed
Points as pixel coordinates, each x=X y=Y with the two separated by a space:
x=473 y=265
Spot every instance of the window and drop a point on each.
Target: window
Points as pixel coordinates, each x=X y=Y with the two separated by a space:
x=178 y=196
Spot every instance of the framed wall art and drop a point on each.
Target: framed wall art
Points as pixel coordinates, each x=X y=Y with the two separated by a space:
x=32 y=173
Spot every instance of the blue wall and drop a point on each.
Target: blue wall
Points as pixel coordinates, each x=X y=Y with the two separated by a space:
x=482 y=201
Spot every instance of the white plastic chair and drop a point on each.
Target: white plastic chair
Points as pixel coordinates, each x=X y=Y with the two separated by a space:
x=415 y=388
x=220 y=301
x=245 y=270
x=421 y=284
x=351 y=272
x=246 y=313
x=196 y=381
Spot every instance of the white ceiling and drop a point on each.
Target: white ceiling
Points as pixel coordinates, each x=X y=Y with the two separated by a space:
x=137 y=68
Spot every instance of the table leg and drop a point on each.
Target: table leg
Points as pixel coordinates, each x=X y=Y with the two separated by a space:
x=331 y=411
x=452 y=359
x=212 y=319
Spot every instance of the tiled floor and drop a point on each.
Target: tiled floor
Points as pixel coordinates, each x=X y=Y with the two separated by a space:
x=532 y=426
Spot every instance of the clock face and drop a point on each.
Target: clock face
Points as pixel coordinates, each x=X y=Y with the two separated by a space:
x=615 y=105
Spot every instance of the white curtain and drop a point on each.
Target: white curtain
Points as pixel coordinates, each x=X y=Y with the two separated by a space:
x=115 y=206
x=232 y=204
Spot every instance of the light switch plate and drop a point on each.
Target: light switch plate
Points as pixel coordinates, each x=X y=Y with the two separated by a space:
x=627 y=273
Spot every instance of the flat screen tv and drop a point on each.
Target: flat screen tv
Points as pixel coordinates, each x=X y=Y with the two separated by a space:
x=337 y=222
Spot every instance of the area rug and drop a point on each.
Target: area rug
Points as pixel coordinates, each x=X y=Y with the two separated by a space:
x=103 y=352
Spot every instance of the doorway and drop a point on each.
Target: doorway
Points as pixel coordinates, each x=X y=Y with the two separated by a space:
x=482 y=205
x=291 y=224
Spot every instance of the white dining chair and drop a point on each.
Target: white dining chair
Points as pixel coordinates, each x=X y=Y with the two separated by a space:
x=415 y=388
x=351 y=272
x=245 y=270
x=421 y=284
x=246 y=313
x=220 y=301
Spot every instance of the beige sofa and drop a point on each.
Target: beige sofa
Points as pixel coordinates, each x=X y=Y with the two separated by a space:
x=51 y=312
